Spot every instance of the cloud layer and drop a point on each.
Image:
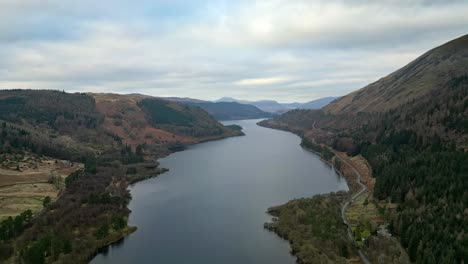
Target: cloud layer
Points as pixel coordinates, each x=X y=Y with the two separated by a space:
x=283 y=50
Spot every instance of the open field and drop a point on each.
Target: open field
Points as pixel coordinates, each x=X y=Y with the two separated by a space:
x=363 y=209
x=26 y=179
x=17 y=198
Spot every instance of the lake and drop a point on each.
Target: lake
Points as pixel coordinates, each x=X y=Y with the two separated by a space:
x=210 y=207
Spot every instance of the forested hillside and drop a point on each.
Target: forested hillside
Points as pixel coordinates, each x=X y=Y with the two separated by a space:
x=181 y=119
x=425 y=170
x=52 y=123
x=417 y=149
x=117 y=138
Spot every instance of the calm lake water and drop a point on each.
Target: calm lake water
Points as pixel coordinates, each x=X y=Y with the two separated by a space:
x=210 y=207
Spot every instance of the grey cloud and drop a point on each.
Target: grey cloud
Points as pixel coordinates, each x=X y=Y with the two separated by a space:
x=288 y=50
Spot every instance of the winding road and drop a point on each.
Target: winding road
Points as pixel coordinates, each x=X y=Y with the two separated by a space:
x=351 y=199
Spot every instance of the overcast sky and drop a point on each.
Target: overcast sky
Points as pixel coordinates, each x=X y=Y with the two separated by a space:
x=283 y=50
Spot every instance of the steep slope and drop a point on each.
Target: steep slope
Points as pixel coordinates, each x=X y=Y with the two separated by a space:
x=420 y=77
x=232 y=110
x=412 y=127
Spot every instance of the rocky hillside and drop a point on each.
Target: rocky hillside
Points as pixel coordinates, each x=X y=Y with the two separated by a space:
x=422 y=76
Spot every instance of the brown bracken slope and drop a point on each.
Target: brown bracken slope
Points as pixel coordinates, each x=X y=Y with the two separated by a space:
x=124 y=118
x=423 y=75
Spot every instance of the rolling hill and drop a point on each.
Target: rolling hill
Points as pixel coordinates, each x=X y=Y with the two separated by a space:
x=219 y=110
x=75 y=154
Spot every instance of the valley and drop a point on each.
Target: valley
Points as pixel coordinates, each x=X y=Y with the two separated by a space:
x=216 y=194
x=63 y=209
x=234 y=132
x=379 y=175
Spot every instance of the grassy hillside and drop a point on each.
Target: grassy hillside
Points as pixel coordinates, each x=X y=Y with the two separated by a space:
x=422 y=76
x=416 y=146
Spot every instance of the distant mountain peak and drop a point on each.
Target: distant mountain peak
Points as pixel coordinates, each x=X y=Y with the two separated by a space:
x=226 y=99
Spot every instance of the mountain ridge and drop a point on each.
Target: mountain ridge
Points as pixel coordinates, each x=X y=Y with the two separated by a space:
x=419 y=77
x=231 y=110
x=273 y=106
x=412 y=128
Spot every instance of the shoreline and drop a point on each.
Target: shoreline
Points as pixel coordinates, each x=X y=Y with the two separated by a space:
x=352 y=193
x=348 y=193
x=142 y=178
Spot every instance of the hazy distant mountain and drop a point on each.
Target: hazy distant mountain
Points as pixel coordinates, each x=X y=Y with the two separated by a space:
x=183 y=100
x=244 y=109
x=232 y=110
x=275 y=107
x=317 y=104
x=139 y=95
x=172 y=99
x=229 y=99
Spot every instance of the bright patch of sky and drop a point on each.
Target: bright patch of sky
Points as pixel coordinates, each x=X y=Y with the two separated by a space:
x=282 y=50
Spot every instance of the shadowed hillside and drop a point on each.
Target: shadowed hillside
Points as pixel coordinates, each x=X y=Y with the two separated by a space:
x=182 y=119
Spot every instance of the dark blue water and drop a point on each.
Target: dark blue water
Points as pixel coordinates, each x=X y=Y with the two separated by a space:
x=210 y=207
